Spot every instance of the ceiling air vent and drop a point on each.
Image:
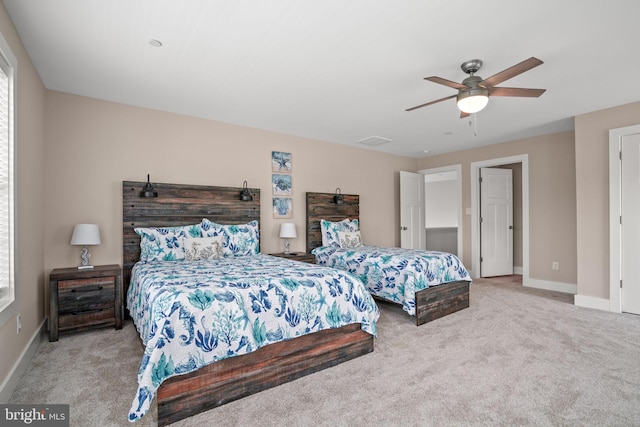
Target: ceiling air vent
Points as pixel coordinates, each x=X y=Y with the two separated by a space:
x=373 y=141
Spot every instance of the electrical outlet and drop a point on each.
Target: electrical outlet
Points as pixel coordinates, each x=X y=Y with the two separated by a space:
x=18 y=324
x=555 y=265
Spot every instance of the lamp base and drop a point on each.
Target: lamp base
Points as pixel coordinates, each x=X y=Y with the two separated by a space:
x=286 y=247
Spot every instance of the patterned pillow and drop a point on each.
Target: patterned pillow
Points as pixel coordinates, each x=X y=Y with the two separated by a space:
x=330 y=230
x=237 y=239
x=199 y=248
x=349 y=239
x=165 y=243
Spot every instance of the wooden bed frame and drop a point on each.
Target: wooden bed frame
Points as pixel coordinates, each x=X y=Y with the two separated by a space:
x=431 y=303
x=230 y=379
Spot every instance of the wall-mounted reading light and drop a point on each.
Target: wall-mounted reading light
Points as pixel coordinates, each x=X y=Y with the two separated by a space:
x=147 y=190
x=245 y=196
x=338 y=198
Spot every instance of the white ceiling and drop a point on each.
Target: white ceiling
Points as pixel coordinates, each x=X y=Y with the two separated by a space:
x=340 y=70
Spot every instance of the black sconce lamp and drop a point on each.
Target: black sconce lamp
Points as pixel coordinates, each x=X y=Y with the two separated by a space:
x=338 y=198
x=245 y=196
x=147 y=190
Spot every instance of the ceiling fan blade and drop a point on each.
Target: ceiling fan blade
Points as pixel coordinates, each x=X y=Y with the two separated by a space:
x=446 y=82
x=430 y=103
x=516 y=91
x=463 y=114
x=511 y=72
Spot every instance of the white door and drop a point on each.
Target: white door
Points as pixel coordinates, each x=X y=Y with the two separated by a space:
x=630 y=232
x=496 y=222
x=412 y=231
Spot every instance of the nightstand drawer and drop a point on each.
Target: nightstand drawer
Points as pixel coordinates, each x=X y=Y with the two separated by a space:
x=298 y=256
x=85 y=295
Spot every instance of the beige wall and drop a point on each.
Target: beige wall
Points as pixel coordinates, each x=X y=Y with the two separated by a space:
x=30 y=206
x=552 y=206
x=92 y=146
x=592 y=194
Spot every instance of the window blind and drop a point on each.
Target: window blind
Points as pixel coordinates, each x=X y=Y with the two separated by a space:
x=6 y=185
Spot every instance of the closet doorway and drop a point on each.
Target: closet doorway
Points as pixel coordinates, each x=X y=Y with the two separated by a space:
x=443 y=209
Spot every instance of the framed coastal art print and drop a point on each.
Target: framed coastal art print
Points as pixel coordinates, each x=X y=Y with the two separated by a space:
x=280 y=162
x=282 y=208
x=281 y=185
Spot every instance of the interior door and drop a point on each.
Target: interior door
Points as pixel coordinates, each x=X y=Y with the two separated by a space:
x=630 y=233
x=412 y=231
x=496 y=222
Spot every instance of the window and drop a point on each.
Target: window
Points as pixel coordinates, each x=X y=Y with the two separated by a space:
x=7 y=183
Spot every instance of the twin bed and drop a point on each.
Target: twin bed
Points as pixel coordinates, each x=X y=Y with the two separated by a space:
x=201 y=292
x=428 y=284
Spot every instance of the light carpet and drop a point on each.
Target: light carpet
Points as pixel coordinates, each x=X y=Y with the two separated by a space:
x=516 y=356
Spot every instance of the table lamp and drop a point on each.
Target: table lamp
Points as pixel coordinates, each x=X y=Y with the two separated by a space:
x=287 y=231
x=85 y=235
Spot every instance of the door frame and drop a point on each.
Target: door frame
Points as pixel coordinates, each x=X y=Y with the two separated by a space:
x=487 y=238
x=458 y=169
x=475 y=212
x=615 y=210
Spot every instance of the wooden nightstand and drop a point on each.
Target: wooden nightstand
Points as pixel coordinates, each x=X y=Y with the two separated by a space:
x=84 y=299
x=298 y=256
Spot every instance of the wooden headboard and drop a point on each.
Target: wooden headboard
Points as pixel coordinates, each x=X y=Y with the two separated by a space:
x=321 y=206
x=178 y=204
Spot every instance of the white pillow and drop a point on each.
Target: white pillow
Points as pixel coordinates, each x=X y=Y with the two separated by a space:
x=349 y=239
x=202 y=248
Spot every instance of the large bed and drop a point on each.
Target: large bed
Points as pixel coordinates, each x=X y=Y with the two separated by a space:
x=428 y=284
x=218 y=328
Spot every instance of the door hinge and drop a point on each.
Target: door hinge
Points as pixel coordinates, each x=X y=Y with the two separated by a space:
x=620 y=219
x=620 y=283
x=480 y=259
x=480 y=179
x=620 y=155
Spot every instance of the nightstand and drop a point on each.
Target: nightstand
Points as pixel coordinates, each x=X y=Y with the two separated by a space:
x=83 y=299
x=298 y=256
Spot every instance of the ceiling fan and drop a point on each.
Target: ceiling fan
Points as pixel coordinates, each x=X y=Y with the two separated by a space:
x=474 y=92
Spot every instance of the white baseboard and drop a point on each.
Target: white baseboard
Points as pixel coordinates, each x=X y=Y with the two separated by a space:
x=10 y=383
x=591 y=302
x=568 y=288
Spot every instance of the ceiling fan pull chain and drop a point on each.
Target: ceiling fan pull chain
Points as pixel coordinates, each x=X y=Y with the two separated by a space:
x=474 y=122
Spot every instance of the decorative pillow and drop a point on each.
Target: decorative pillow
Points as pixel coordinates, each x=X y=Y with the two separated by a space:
x=199 y=248
x=165 y=243
x=331 y=230
x=349 y=239
x=237 y=239
x=324 y=230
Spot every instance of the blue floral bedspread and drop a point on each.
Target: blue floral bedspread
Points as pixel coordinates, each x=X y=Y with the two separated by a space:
x=190 y=314
x=394 y=274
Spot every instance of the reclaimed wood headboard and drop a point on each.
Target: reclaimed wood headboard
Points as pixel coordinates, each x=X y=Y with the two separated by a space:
x=321 y=206
x=178 y=204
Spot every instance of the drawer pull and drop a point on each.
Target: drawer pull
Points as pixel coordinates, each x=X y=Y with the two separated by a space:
x=87 y=289
x=76 y=313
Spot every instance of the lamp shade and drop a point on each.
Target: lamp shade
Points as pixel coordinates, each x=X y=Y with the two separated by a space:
x=473 y=100
x=288 y=231
x=85 y=235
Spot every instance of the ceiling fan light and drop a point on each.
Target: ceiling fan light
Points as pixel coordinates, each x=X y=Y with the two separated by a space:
x=473 y=100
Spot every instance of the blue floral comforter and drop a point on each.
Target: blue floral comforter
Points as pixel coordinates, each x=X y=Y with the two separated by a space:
x=190 y=314
x=394 y=274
